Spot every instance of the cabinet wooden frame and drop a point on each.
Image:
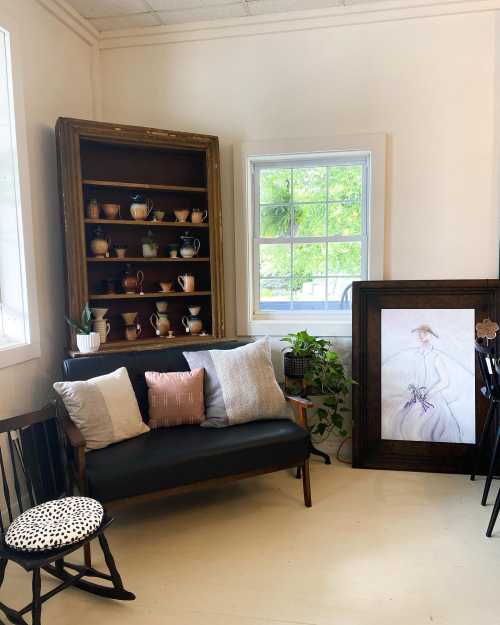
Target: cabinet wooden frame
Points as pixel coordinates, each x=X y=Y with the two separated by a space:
x=69 y=136
x=370 y=451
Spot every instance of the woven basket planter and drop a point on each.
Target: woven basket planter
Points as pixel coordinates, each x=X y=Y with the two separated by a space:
x=296 y=366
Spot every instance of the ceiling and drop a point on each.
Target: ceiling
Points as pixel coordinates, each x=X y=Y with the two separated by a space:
x=116 y=14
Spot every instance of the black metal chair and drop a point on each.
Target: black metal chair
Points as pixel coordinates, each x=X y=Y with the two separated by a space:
x=33 y=468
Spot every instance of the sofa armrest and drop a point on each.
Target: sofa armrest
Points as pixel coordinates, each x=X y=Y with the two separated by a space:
x=77 y=445
x=300 y=405
x=73 y=434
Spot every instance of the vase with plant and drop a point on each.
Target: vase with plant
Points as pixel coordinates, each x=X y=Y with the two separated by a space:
x=149 y=245
x=301 y=352
x=86 y=340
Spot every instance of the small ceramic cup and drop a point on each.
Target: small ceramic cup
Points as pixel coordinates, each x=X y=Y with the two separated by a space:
x=173 y=250
x=111 y=211
x=158 y=215
x=166 y=287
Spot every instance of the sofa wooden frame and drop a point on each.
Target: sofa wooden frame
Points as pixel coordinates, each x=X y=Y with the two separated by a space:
x=77 y=462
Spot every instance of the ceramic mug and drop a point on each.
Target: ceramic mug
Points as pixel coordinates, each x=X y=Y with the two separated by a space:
x=111 y=211
x=198 y=216
x=140 y=211
x=186 y=282
x=166 y=287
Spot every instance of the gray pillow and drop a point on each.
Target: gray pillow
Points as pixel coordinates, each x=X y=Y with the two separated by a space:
x=240 y=384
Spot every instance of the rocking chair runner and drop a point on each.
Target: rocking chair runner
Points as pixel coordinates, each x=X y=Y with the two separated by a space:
x=33 y=468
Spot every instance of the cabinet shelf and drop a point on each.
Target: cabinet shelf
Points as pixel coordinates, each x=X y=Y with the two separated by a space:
x=151 y=344
x=149 y=224
x=114 y=184
x=159 y=294
x=141 y=259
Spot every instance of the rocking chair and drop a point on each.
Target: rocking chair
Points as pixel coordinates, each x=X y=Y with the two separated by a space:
x=33 y=468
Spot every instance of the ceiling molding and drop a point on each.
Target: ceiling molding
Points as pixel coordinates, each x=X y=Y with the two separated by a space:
x=347 y=15
x=67 y=15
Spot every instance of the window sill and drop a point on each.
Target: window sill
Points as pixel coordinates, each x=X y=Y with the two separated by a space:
x=341 y=327
x=15 y=354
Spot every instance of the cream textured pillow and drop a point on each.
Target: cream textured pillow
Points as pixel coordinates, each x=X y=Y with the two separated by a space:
x=240 y=384
x=105 y=408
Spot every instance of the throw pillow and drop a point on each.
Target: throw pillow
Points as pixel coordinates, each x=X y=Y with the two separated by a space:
x=175 y=398
x=104 y=408
x=240 y=384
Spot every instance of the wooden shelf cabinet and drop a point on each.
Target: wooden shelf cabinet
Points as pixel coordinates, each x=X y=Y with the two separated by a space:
x=175 y=170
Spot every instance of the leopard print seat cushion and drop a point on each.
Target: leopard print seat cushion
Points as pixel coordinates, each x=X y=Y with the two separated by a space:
x=55 y=524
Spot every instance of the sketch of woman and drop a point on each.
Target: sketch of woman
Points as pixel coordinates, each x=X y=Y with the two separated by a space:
x=420 y=410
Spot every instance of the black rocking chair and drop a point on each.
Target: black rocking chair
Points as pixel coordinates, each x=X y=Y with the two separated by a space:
x=33 y=461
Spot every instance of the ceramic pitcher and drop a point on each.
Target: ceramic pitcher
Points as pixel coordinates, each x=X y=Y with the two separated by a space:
x=160 y=323
x=186 y=282
x=189 y=245
x=140 y=208
x=193 y=325
x=132 y=283
x=100 y=243
x=198 y=216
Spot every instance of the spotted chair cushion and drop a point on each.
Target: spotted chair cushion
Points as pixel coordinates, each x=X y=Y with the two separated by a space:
x=55 y=524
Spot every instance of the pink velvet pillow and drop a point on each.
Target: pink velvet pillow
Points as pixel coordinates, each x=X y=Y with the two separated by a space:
x=175 y=398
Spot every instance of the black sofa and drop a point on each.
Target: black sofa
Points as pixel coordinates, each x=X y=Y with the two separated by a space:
x=187 y=456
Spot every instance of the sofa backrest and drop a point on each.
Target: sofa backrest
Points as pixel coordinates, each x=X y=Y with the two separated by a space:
x=137 y=363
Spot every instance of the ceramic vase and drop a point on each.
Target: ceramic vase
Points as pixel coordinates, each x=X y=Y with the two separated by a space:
x=88 y=343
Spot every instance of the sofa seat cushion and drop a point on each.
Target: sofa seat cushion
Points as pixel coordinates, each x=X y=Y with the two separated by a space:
x=169 y=457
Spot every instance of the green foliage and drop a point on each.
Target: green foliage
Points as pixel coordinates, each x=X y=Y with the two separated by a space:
x=84 y=326
x=327 y=377
x=303 y=345
x=309 y=201
x=150 y=239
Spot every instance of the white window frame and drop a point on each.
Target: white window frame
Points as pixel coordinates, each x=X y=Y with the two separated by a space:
x=16 y=352
x=323 y=323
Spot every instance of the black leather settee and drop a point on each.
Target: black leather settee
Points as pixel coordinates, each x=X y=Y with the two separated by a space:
x=187 y=456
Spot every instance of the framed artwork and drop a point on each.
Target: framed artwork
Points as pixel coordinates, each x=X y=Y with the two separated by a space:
x=417 y=403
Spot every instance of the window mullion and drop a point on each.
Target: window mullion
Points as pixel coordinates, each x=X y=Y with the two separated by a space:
x=292 y=232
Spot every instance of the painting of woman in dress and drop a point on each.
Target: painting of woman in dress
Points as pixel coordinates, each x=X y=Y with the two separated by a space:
x=428 y=385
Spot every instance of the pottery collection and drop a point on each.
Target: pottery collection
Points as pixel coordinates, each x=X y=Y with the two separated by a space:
x=132 y=282
x=102 y=327
x=100 y=243
x=93 y=210
x=158 y=215
x=189 y=245
x=111 y=211
x=132 y=332
x=160 y=323
x=198 y=216
x=140 y=208
x=88 y=343
x=182 y=214
x=186 y=282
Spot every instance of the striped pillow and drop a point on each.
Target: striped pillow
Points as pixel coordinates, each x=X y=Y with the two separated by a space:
x=175 y=398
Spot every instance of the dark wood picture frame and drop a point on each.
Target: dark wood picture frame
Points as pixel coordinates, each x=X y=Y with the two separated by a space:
x=370 y=451
x=110 y=161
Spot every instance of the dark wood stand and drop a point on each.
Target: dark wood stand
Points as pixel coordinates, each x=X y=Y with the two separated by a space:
x=314 y=450
x=175 y=170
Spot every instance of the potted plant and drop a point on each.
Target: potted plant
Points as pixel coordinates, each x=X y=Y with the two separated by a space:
x=327 y=378
x=301 y=352
x=86 y=340
x=149 y=245
x=120 y=249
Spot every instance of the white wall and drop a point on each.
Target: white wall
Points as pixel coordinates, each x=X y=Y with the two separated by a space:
x=428 y=83
x=57 y=81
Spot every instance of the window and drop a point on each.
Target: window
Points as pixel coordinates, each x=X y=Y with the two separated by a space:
x=309 y=222
x=310 y=232
x=19 y=339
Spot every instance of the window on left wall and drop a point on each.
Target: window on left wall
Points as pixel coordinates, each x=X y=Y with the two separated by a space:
x=19 y=333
